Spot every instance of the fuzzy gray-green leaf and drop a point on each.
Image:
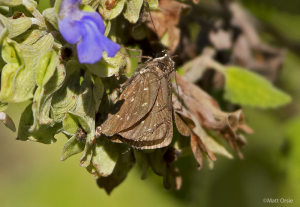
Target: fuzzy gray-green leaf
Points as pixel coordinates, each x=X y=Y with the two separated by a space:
x=43 y=97
x=108 y=66
x=51 y=16
x=10 y=2
x=98 y=91
x=9 y=52
x=46 y=68
x=17 y=26
x=33 y=52
x=72 y=121
x=65 y=98
x=44 y=134
x=72 y=147
x=132 y=10
x=7 y=81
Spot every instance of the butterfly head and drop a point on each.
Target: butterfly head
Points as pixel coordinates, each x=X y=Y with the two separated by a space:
x=166 y=62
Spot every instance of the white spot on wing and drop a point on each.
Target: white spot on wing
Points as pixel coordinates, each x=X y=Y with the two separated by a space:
x=145 y=104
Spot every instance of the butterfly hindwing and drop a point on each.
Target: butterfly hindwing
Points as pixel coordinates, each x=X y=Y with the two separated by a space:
x=155 y=130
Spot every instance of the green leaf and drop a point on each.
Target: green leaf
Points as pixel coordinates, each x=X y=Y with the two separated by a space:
x=72 y=121
x=87 y=105
x=18 y=82
x=247 y=88
x=51 y=16
x=15 y=27
x=98 y=91
x=31 y=36
x=108 y=66
x=44 y=134
x=3 y=32
x=123 y=166
x=105 y=157
x=70 y=124
x=48 y=81
x=9 y=52
x=132 y=10
x=65 y=98
x=80 y=105
x=46 y=68
x=11 y=2
x=153 y=4
x=83 y=115
x=31 y=53
x=72 y=147
x=43 y=97
x=7 y=79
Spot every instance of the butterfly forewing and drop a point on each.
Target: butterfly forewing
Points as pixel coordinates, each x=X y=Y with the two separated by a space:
x=139 y=98
x=155 y=130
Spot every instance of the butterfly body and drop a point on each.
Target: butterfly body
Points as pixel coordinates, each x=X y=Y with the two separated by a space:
x=145 y=119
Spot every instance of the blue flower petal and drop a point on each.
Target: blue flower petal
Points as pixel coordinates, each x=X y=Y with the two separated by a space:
x=109 y=46
x=70 y=30
x=70 y=8
x=89 y=49
x=86 y=29
x=96 y=18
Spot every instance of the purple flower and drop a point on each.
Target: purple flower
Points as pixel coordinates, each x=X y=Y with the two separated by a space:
x=86 y=29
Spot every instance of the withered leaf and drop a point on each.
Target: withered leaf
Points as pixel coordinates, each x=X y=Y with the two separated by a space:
x=182 y=118
x=172 y=179
x=165 y=21
x=208 y=113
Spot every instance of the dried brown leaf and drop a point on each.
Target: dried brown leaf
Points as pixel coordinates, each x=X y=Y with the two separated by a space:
x=166 y=19
x=209 y=114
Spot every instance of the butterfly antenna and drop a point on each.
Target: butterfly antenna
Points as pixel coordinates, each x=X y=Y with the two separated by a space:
x=140 y=56
x=148 y=7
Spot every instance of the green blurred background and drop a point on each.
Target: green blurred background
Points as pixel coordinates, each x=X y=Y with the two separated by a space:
x=32 y=175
